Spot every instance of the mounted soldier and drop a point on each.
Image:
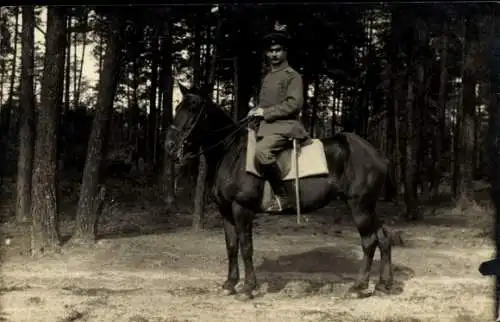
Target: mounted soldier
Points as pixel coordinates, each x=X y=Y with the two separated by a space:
x=344 y=164
x=279 y=106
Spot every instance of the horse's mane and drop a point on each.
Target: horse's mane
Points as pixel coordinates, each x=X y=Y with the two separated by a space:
x=237 y=145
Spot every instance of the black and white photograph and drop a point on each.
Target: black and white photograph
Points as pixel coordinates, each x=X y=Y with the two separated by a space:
x=204 y=162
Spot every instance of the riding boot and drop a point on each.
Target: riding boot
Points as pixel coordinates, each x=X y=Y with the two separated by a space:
x=281 y=202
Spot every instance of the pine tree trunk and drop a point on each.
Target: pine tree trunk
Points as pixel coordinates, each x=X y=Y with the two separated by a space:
x=82 y=59
x=66 y=124
x=7 y=113
x=199 y=197
x=168 y=175
x=45 y=232
x=91 y=198
x=152 y=127
x=440 y=112
x=395 y=95
x=420 y=114
x=75 y=67
x=465 y=127
x=211 y=64
x=26 y=122
x=465 y=186
x=67 y=78
x=411 y=155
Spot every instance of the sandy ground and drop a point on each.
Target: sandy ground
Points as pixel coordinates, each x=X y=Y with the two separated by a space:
x=146 y=268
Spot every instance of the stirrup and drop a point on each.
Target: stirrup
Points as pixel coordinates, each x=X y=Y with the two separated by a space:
x=277 y=206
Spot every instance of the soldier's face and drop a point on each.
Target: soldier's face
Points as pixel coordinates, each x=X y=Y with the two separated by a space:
x=276 y=54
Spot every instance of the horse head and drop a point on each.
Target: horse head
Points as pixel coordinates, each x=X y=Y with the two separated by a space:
x=186 y=131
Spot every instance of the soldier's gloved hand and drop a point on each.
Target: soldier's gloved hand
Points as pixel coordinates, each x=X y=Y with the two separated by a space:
x=256 y=112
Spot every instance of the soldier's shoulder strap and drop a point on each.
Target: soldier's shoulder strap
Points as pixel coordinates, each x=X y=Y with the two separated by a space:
x=291 y=71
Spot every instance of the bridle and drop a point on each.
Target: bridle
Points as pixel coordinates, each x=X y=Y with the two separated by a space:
x=187 y=133
x=199 y=116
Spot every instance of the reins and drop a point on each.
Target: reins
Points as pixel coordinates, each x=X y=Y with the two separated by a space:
x=228 y=138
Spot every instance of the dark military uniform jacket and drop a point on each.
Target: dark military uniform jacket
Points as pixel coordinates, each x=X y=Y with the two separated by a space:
x=281 y=98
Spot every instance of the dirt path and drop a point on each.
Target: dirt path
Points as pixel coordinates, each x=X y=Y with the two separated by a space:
x=303 y=272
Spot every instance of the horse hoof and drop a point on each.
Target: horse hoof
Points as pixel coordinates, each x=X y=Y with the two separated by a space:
x=383 y=289
x=244 y=296
x=352 y=295
x=358 y=287
x=226 y=292
x=380 y=293
x=228 y=288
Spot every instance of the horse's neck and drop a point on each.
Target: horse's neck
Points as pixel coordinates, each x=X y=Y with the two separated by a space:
x=227 y=137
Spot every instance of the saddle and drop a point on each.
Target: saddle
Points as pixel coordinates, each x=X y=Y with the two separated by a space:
x=311 y=160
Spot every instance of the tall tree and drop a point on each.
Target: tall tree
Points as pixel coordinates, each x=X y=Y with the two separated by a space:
x=441 y=108
x=7 y=113
x=83 y=31
x=152 y=121
x=67 y=78
x=91 y=197
x=464 y=160
x=211 y=59
x=167 y=85
x=26 y=122
x=45 y=232
x=200 y=194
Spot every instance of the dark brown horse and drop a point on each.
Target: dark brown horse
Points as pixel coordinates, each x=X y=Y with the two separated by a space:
x=357 y=172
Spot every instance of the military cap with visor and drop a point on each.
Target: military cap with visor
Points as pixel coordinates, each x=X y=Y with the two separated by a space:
x=276 y=38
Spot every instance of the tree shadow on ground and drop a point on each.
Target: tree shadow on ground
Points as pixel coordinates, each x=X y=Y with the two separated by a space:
x=322 y=267
x=156 y=224
x=446 y=221
x=157 y=227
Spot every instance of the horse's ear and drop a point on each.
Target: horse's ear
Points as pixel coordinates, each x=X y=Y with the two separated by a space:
x=184 y=89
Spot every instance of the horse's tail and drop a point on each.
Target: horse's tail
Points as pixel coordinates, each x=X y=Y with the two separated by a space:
x=391 y=190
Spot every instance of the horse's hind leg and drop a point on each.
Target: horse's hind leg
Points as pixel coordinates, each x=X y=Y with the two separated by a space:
x=367 y=227
x=232 y=241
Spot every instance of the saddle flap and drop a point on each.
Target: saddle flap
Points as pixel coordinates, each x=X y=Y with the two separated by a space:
x=311 y=159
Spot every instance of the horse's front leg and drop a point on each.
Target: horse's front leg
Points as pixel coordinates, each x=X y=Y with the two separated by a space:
x=232 y=240
x=243 y=219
